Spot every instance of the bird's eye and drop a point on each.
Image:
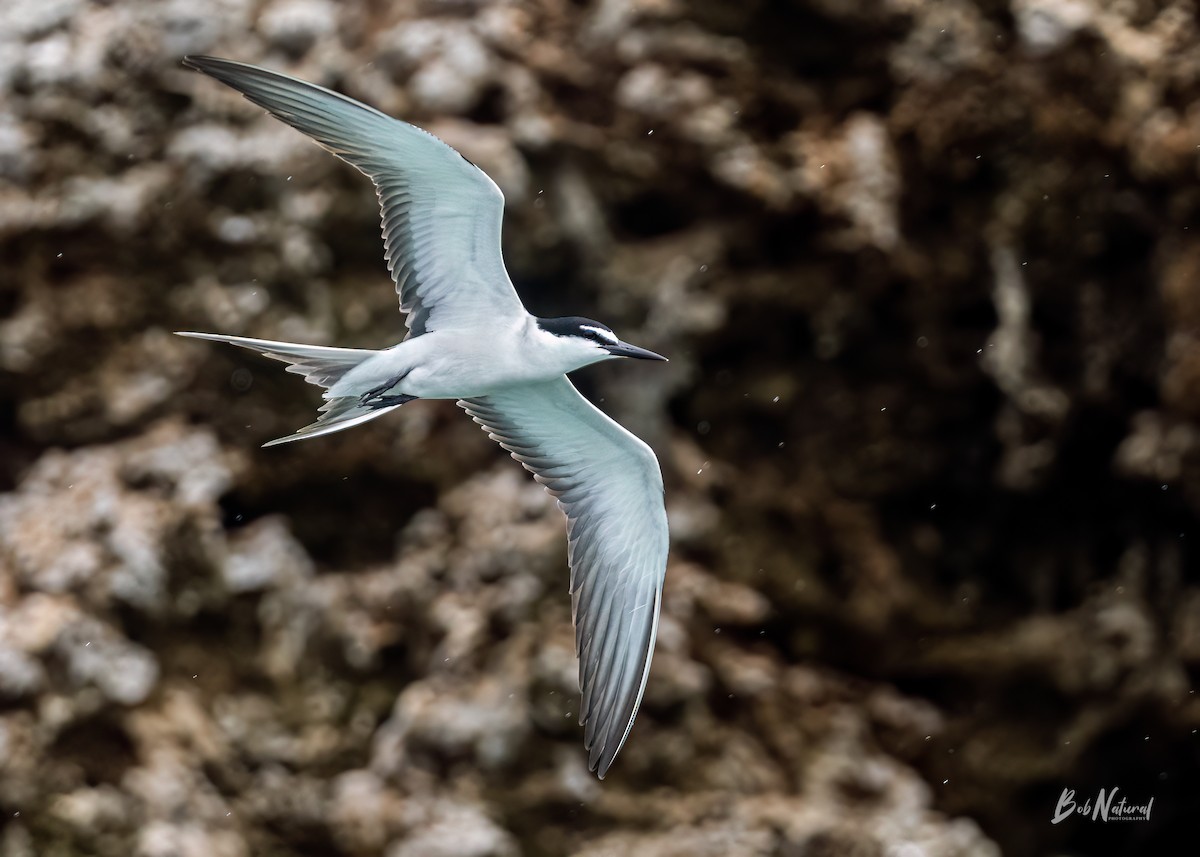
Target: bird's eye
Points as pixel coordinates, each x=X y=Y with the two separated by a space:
x=597 y=334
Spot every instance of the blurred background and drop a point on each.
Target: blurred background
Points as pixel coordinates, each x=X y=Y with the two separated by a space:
x=927 y=275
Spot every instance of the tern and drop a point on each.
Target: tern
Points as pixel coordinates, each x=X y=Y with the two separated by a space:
x=470 y=339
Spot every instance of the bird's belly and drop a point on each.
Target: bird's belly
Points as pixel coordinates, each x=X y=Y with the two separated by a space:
x=469 y=372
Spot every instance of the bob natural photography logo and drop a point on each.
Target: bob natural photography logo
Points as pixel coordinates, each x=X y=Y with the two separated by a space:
x=1106 y=806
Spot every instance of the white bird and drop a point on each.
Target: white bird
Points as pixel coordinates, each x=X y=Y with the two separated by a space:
x=470 y=339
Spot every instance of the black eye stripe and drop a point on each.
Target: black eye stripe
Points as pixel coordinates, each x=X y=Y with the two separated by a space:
x=580 y=327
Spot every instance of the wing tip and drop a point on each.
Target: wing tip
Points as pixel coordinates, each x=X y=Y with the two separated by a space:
x=601 y=758
x=228 y=72
x=602 y=748
x=202 y=62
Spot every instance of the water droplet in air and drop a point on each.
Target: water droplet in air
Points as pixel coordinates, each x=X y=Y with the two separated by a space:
x=241 y=380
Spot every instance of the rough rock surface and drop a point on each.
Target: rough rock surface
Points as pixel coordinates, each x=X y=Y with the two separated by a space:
x=928 y=274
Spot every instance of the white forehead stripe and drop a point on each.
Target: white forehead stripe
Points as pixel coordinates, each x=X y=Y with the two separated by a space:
x=607 y=335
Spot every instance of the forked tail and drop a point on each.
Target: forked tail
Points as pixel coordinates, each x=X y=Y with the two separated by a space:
x=324 y=367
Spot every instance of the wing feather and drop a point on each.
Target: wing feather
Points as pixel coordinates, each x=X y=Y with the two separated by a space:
x=609 y=485
x=441 y=215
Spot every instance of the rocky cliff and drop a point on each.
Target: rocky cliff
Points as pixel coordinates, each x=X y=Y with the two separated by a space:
x=927 y=273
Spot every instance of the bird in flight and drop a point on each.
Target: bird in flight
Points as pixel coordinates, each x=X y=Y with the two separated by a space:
x=470 y=339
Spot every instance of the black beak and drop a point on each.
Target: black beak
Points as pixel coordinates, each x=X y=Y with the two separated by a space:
x=623 y=349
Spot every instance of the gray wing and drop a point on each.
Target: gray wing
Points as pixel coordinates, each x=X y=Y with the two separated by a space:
x=441 y=213
x=609 y=485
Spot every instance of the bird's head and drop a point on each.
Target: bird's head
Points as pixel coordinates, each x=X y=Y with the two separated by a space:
x=581 y=342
